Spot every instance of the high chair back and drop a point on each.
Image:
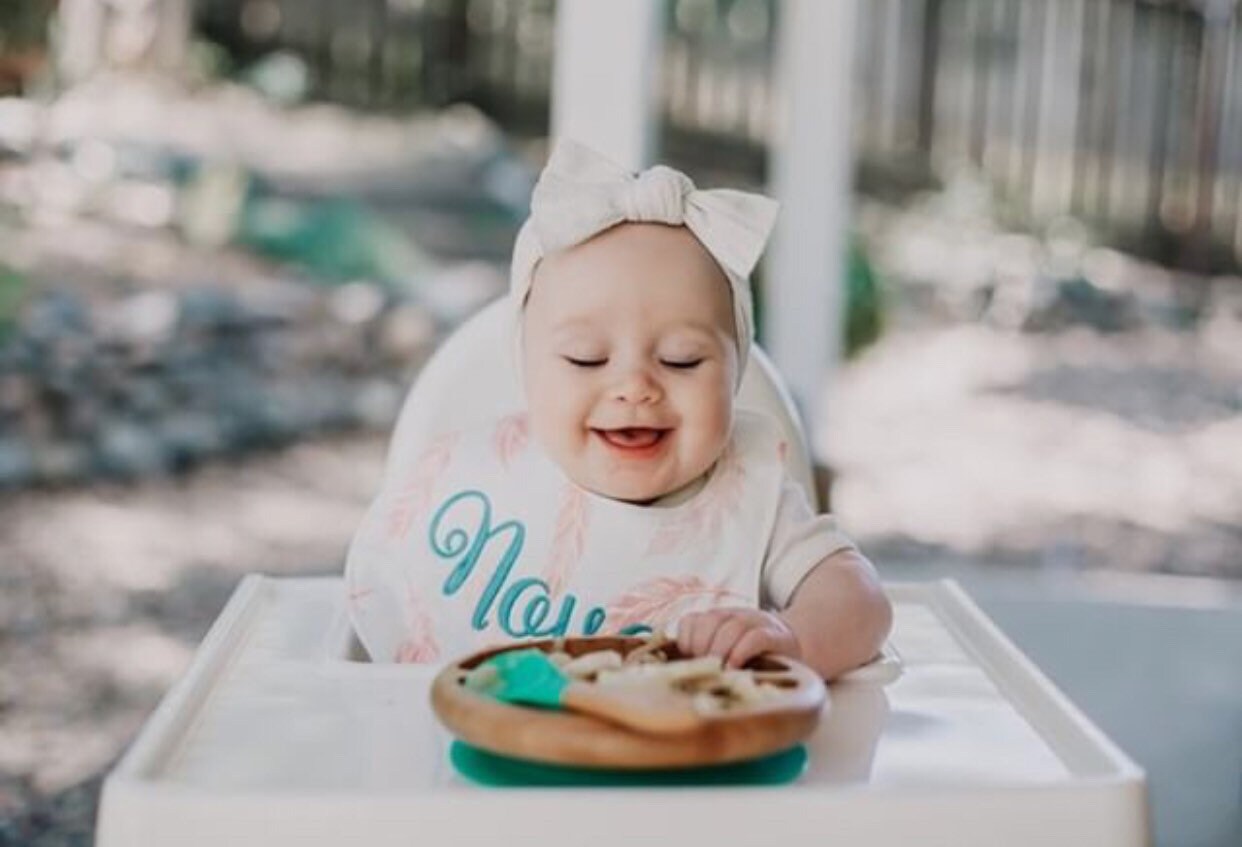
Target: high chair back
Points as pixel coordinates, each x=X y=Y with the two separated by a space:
x=471 y=377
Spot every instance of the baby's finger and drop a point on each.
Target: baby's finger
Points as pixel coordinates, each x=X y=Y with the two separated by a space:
x=727 y=635
x=686 y=626
x=751 y=644
x=695 y=633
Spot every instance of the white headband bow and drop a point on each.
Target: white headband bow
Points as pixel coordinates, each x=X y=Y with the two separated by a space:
x=581 y=193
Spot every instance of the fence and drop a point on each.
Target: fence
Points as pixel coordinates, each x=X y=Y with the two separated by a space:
x=1125 y=113
x=404 y=54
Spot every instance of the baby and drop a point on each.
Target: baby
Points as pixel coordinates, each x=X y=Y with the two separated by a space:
x=630 y=494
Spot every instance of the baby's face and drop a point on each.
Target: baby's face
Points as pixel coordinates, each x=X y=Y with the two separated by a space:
x=629 y=361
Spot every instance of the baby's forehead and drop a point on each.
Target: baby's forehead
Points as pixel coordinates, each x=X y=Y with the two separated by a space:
x=647 y=261
x=629 y=239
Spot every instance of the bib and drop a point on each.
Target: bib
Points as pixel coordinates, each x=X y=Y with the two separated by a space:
x=481 y=539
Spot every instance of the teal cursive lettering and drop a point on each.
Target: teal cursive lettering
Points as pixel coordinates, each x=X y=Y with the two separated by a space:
x=454 y=542
x=594 y=621
x=459 y=536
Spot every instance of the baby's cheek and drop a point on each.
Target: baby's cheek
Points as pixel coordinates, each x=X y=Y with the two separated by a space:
x=555 y=430
x=719 y=428
x=543 y=425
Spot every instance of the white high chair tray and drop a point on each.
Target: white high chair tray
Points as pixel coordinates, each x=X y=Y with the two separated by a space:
x=276 y=735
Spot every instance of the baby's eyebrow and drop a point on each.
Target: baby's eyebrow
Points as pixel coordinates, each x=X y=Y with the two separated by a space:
x=573 y=329
x=573 y=322
x=585 y=329
x=698 y=332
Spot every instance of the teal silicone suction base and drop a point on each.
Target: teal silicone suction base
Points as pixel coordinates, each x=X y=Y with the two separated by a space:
x=486 y=768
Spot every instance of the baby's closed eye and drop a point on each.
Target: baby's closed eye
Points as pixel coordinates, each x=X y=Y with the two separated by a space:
x=682 y=356
x=684 y=364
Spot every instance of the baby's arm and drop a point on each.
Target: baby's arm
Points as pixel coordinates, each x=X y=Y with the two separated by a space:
x=839 y=614
x=837 y=620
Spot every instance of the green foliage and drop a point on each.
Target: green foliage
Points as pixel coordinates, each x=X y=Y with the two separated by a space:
x=335 y=240
x=12 y=292
x=332 y=239
x=864 y=301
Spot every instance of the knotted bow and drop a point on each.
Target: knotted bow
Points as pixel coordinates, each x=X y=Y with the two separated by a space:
x=581 y=193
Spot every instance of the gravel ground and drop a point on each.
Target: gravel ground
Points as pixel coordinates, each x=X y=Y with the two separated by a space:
x=106 y=592
x=1076 y=450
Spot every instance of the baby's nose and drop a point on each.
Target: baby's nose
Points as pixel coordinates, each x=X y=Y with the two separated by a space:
x=637 y=385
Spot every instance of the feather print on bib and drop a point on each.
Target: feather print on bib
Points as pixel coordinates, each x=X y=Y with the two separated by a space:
x=419 y=645
x=569 y=539
x=411 y=501
x=357 y=594
x=511 y=436
x=660 y=601
x=698 y=526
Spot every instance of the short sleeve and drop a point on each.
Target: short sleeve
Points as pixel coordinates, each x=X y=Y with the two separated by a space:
x=800 y=540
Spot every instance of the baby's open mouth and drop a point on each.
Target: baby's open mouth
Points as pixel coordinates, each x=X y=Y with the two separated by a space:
x=633 y=438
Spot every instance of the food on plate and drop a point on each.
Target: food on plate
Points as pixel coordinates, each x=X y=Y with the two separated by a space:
x=713 y=689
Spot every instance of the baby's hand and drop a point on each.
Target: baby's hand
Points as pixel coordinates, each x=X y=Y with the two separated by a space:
x=736 y=635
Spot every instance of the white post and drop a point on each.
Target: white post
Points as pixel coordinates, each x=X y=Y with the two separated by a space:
x=175 y=22
x=80 y=37
x=812 y=177
x=605 y=74
x=1053 y=182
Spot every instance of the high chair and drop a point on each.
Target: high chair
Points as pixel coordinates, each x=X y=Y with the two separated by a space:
x=281 y=733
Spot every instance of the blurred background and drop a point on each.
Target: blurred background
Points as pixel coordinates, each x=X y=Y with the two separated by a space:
x=232 y=230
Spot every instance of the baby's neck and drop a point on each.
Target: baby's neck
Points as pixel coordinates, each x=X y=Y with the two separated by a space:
x=678 y=496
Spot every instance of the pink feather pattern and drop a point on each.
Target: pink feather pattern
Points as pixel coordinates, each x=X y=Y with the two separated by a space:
x=512 y=434
x=569 y=539
x=355 y=592
x=419 y=645
x=698 y=526
x=413 y=497
x=658 y=602
x=357 y=595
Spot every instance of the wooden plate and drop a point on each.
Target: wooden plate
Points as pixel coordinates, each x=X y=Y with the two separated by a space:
x=565 y=738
